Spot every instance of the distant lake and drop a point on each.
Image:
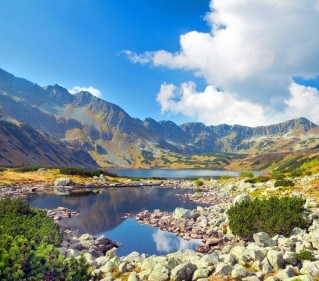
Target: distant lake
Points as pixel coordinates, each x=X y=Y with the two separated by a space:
x=101 y=213
x=172 y=174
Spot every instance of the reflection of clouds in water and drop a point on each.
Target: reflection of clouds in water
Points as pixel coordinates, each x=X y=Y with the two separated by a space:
x=166 y=242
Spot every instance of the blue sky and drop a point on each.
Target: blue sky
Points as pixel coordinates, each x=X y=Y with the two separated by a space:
x=79 y=43
x=241 y=64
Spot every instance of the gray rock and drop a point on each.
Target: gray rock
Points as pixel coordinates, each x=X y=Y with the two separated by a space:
x=239 y=272
x=108 y=267
x=301 y=278
x=159 y=273
x=315 y=239
x=223 y=269
x=132 y=277
x=102 y=260
x=200 y=273
x=286 y=273
x=241 y=198
x=262 y=239
x=125 y=267
x=63 y=182
x=276 y=259
x=90 y=259
x=311 y=268
x=72 y=252
x=183 y=272
x=182 y=213
x=208 y=260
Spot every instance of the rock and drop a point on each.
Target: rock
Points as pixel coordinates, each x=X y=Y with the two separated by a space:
x=241 y=198
x=90 y=259
x=272 y=278
x=125 y=267
x=200 y=273
x=72 y=252
x=223 y=269
x=315 y=239
x=208 y=260
x=262 y=239
x=183 y=272
x=182 y=213
x=311 y=268
x=276 y=259
x=301 y=278
x=286 y=273
x=102 y=261
x=63 y=182
x=86 y=236
x=239 y=272
x=251 y=278
x=132 y=277
x=108 y=267
x=297 y=231
x=159 y=273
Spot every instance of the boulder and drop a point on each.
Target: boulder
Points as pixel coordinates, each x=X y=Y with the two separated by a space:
x=200 y=273
x=276 y=259
x=63 y=182
x=159 y=273
x=301 y=278
x=223 y=269
x=241 y=198
x=182 y=213
x=262 y=239
x=132 y=277
x=311 y=268
x=183 y=272
x=239 y=272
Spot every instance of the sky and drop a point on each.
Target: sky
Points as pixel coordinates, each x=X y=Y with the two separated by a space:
x=248 y=62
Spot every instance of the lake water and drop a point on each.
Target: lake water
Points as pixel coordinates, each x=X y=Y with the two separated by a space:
x=172 y=174
x=101 y=213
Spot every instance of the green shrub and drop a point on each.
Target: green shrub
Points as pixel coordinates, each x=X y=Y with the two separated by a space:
x=304 y=255
x=225 y=177
x=279 y=176
x=310 y=164
x=273 y=216
x=246 y=175
x=84 y=172
x=198 y=182
x=258 y=179
x=284 y=183
x=2 y=169
x=296 y=173
x=28 y=251
x=27 y=168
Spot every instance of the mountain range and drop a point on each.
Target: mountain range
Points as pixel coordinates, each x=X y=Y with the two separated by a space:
x=51 y=127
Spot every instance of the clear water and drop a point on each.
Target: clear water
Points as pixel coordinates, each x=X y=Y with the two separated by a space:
x=172 y=174
x=102 y=213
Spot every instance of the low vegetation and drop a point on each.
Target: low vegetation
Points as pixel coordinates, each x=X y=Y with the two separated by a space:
x=258 y=179
x=247 y=174
x=283 y=183
x=198 y=182
x=28 y=246
x=273 y=216
x=304 y=255
x=84 y=172
x=27 y=168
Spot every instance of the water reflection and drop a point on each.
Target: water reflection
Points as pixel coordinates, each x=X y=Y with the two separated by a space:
x=167 y=243
x=103 y=211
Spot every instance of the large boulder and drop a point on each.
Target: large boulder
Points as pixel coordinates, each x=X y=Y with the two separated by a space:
x=182 y=213
x=244 y=197
x=159 y=273
x=262 y=239
x=63 y=182
x=183 y=272
x=276 y=259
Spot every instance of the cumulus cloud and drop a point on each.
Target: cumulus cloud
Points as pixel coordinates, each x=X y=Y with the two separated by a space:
x=254 y=49
x=92 y=90
x=213 y=106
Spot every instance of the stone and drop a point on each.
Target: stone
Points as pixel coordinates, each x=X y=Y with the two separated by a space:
x=159 y=273
x=200 y=273
x=182 y=213
x=301 y=278
x=208 y=260
x=230 y=258
x=311 y=268
x=315 y=239
x=241 y=198
x=86 y=236
x=251 y=278
x=72 y=253
x=276 y=259
x=90 y=259
x=125 y=267
x=63 y=182
x=102 y=260
x=239 y=272
x=272 y=278
x=183 y=272
x=286 y=273
x=108 y=267
x=262 y=239
x=223 y=269
x=132 y=277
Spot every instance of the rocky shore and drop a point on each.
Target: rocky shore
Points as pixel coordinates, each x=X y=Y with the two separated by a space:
x=222 y=256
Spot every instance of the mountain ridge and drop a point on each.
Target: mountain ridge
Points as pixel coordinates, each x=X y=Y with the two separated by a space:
x=113 y=138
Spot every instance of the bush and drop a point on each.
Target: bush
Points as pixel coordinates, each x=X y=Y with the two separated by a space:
x=284 y=183
x=84 y=172
x=279 y=176
x=273 y=216
x=258 y=179
x=304 y=255
x=2 y=169
x=28 y=251
x=27 y=168
x=296 y=173
x=246 y=175
x=198 y=182
x=225 y=177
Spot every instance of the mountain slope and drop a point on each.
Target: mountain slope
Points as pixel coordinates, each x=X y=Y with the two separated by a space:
x=113 y=138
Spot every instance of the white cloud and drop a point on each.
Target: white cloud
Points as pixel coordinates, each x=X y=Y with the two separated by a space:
x=216 y=107
x=254 y=49
x=92 y=90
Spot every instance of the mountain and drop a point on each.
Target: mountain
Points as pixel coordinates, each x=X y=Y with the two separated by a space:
x=109 y=136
